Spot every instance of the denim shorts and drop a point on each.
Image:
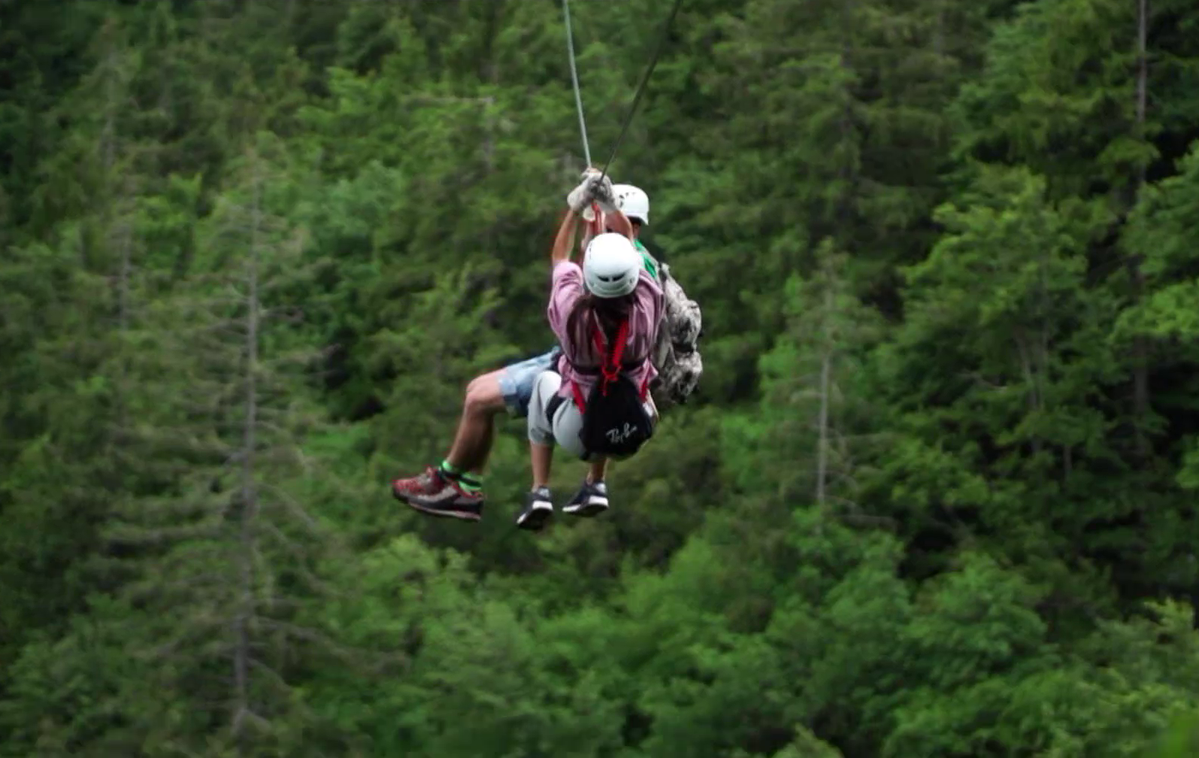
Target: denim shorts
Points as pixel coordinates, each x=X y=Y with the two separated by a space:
x=516 y=382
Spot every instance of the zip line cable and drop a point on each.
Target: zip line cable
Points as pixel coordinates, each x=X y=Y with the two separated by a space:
x=628 y=117
x=574 y=76
x=641 y=87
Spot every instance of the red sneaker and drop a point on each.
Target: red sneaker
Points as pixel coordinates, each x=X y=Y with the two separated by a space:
x=438 y=495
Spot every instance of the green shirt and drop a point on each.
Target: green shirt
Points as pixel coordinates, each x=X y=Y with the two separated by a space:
x=651 y=265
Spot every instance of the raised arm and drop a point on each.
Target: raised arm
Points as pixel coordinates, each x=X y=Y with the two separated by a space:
x=564 y=242
x=593 y=187
x=616 y=221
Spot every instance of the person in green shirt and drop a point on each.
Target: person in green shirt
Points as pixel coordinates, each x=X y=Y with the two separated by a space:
x=454 y=488
x=634 y=204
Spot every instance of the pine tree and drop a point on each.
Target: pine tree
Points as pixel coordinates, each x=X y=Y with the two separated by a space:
x=68 y=302
x=810 y=387
x=220 y=562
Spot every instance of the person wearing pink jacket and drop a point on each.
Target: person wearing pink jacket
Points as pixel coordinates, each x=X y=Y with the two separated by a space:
x=595 y=403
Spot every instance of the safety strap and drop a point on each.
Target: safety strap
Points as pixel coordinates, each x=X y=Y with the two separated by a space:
x=610 y=367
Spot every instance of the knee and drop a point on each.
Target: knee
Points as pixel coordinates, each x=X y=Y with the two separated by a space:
x=483 y=395
x=539 y=434
x=566 y=433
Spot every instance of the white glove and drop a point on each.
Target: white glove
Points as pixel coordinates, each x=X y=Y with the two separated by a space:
x=604 y=195
x=589 y=189
x=580 y=197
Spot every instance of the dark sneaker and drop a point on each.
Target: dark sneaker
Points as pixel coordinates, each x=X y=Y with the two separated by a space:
x=438 y=495
x=590 y=500
x=538 y=508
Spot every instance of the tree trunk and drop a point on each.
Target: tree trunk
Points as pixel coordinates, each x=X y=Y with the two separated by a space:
x=249 y=492
x=1140 y=348
x=826 y=368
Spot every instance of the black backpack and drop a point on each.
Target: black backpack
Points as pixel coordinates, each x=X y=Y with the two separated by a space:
x=615 y=421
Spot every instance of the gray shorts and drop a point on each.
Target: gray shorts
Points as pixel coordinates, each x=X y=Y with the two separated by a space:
x=516 y=381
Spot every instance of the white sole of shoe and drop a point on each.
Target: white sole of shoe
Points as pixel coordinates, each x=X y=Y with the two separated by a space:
x=594 y=505
x=536 y=516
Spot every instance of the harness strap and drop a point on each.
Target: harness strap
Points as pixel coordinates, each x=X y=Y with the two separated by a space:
x=552 y=407
x=580 y=403
x=611 y=366
x=596 y=371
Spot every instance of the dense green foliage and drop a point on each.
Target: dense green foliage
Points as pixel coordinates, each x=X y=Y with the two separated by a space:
x=935 y=497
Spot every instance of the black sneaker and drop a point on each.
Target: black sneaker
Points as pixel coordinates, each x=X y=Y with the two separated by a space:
x=538 y=508
x=590 y=500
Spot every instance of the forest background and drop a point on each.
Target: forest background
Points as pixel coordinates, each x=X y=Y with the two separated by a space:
x=935 y=495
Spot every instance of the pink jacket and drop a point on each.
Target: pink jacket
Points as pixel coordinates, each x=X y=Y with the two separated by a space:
x=644 y=319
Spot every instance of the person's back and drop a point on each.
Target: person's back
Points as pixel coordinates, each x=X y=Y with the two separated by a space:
x=454 y=488
x=577 y=314
x=606 y=315
x=676 y=355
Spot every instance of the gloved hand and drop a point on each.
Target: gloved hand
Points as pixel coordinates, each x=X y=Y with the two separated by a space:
x=581 y=196
x=590 y=189
x=604 y=195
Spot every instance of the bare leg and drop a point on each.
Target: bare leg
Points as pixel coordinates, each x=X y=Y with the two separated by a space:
x=542 y=457
x=596 y=470
x=541 y=451
x=476 y=428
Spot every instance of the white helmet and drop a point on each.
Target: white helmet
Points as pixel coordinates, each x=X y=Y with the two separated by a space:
x=632 y=201
x=611 y=267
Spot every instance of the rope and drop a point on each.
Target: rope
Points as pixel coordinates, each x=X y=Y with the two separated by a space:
x=574 y=76
x=640 y=87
